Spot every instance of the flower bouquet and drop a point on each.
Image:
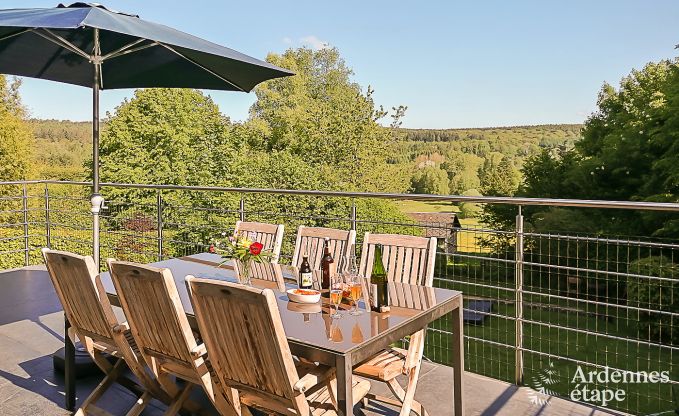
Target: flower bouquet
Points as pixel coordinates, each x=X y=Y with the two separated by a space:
x=244 y=251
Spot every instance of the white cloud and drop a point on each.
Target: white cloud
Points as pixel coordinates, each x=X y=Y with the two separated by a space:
x=287 y=40
x=314 y=42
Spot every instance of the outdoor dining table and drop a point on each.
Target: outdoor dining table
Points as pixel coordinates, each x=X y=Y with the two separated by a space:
x=341 y=343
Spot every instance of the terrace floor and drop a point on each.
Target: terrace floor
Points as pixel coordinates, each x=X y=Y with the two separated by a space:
x=31 y=329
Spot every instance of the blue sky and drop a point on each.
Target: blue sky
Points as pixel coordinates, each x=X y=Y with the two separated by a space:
x=453 y=63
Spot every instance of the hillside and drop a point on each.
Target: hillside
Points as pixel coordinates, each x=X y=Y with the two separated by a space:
x=456 y=160
x=62 y=147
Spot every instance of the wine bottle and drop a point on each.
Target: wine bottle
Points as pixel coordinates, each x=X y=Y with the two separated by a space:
x=326 y=266
x=378 y=281
x=305 y=275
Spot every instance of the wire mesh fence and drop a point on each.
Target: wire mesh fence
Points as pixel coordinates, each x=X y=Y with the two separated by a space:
x=540 y=307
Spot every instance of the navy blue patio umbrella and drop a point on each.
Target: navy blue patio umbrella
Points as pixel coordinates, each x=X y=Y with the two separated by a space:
x=89 y=45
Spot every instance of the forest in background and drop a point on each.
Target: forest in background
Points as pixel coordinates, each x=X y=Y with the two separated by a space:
x=62 y=150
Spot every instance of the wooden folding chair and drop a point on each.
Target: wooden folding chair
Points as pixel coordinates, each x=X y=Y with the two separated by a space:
x=159 y=325
x=310 y=243
x=247 y=345
x=408 y=259
x=271 y=237
x=87 y=308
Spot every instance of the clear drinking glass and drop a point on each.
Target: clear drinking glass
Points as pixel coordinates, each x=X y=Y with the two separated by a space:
x=336 y=293
x=354 y=281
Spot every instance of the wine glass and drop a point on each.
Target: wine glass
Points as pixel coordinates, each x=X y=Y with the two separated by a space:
x=336 y=293
x=355 y=283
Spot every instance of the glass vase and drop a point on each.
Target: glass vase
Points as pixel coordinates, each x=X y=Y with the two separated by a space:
x=244 y=275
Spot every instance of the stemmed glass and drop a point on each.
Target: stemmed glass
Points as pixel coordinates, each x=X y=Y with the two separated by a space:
x=355 y=283
x=336 y=293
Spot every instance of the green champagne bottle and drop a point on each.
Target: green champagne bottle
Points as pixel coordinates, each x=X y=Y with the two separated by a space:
x=378 y=280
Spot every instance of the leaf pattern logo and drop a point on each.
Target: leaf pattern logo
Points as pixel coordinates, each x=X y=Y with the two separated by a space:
x=542 y=385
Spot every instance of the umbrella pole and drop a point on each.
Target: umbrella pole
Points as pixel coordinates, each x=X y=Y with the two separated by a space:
x=97 y=200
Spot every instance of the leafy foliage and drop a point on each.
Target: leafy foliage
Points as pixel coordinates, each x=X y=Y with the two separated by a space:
x=430 y=180
x=15 y=135
x=320 y=114
x=658 y=292
x=468 y=154
x=61 y=148
x=628 y=152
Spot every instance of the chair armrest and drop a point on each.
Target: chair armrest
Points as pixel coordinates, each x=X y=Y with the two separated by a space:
x=312 y=375
x=199 y=351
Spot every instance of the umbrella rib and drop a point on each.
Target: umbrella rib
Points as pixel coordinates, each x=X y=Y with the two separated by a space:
x=17 y=33
x=128 y=51
x=62 y=42
x=201 y=66
x=122 y=50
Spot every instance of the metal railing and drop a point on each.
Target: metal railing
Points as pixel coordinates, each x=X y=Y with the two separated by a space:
x=538 y=303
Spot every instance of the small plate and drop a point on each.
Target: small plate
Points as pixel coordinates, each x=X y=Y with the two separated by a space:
x=300 y=298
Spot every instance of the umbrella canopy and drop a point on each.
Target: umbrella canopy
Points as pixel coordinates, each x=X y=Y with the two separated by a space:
x=68 y=43
x=89 y=45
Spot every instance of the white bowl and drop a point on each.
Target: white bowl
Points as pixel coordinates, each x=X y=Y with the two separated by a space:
x=299 y=298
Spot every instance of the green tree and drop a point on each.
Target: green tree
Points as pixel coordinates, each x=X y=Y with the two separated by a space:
x=500 y=179
x=430 y=180
x=16 y=138
x=658 y=290
x=323 y=116
x=628 y=152
x=470 y=209
x=167 y=136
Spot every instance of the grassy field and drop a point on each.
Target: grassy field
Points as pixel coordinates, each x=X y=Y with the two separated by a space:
x=563 y=333
x=423 y=206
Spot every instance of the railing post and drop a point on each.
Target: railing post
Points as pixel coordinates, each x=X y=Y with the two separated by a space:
x=241 y=209
x=353 y=215
x=159 y=222
x=518 y=345
x=24 y=198
x=48 y=233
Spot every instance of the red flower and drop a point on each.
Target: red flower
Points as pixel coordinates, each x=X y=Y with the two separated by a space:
x=256 y=248
x=212 y=249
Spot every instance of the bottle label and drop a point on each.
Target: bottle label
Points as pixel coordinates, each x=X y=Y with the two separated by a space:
x=306 y=279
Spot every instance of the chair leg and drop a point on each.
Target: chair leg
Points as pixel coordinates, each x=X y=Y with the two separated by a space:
x=402 y=397
x=179 y=400
x=100 y=389
x=140 y=405
x=410 y=392
x=332 y=391
x=170 y=387
x=226 y=406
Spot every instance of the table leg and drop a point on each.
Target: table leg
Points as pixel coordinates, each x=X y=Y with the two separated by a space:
x=458 y=359
x=345 y=399
x=69 y=368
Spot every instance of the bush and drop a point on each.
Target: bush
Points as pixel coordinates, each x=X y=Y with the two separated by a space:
x=657 y=292
x=470 y=209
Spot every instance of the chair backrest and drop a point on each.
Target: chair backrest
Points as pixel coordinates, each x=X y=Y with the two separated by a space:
x=270 y=235
x=270 y=272
x=310 y=243
x=81 y=293
x=244 y=336
x=149 y=298
x=407 y=258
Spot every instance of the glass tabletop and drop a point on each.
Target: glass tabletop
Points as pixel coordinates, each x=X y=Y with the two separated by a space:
x=311 y=324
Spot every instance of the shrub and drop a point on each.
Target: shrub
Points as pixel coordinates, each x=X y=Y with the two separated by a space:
x=655 y=288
